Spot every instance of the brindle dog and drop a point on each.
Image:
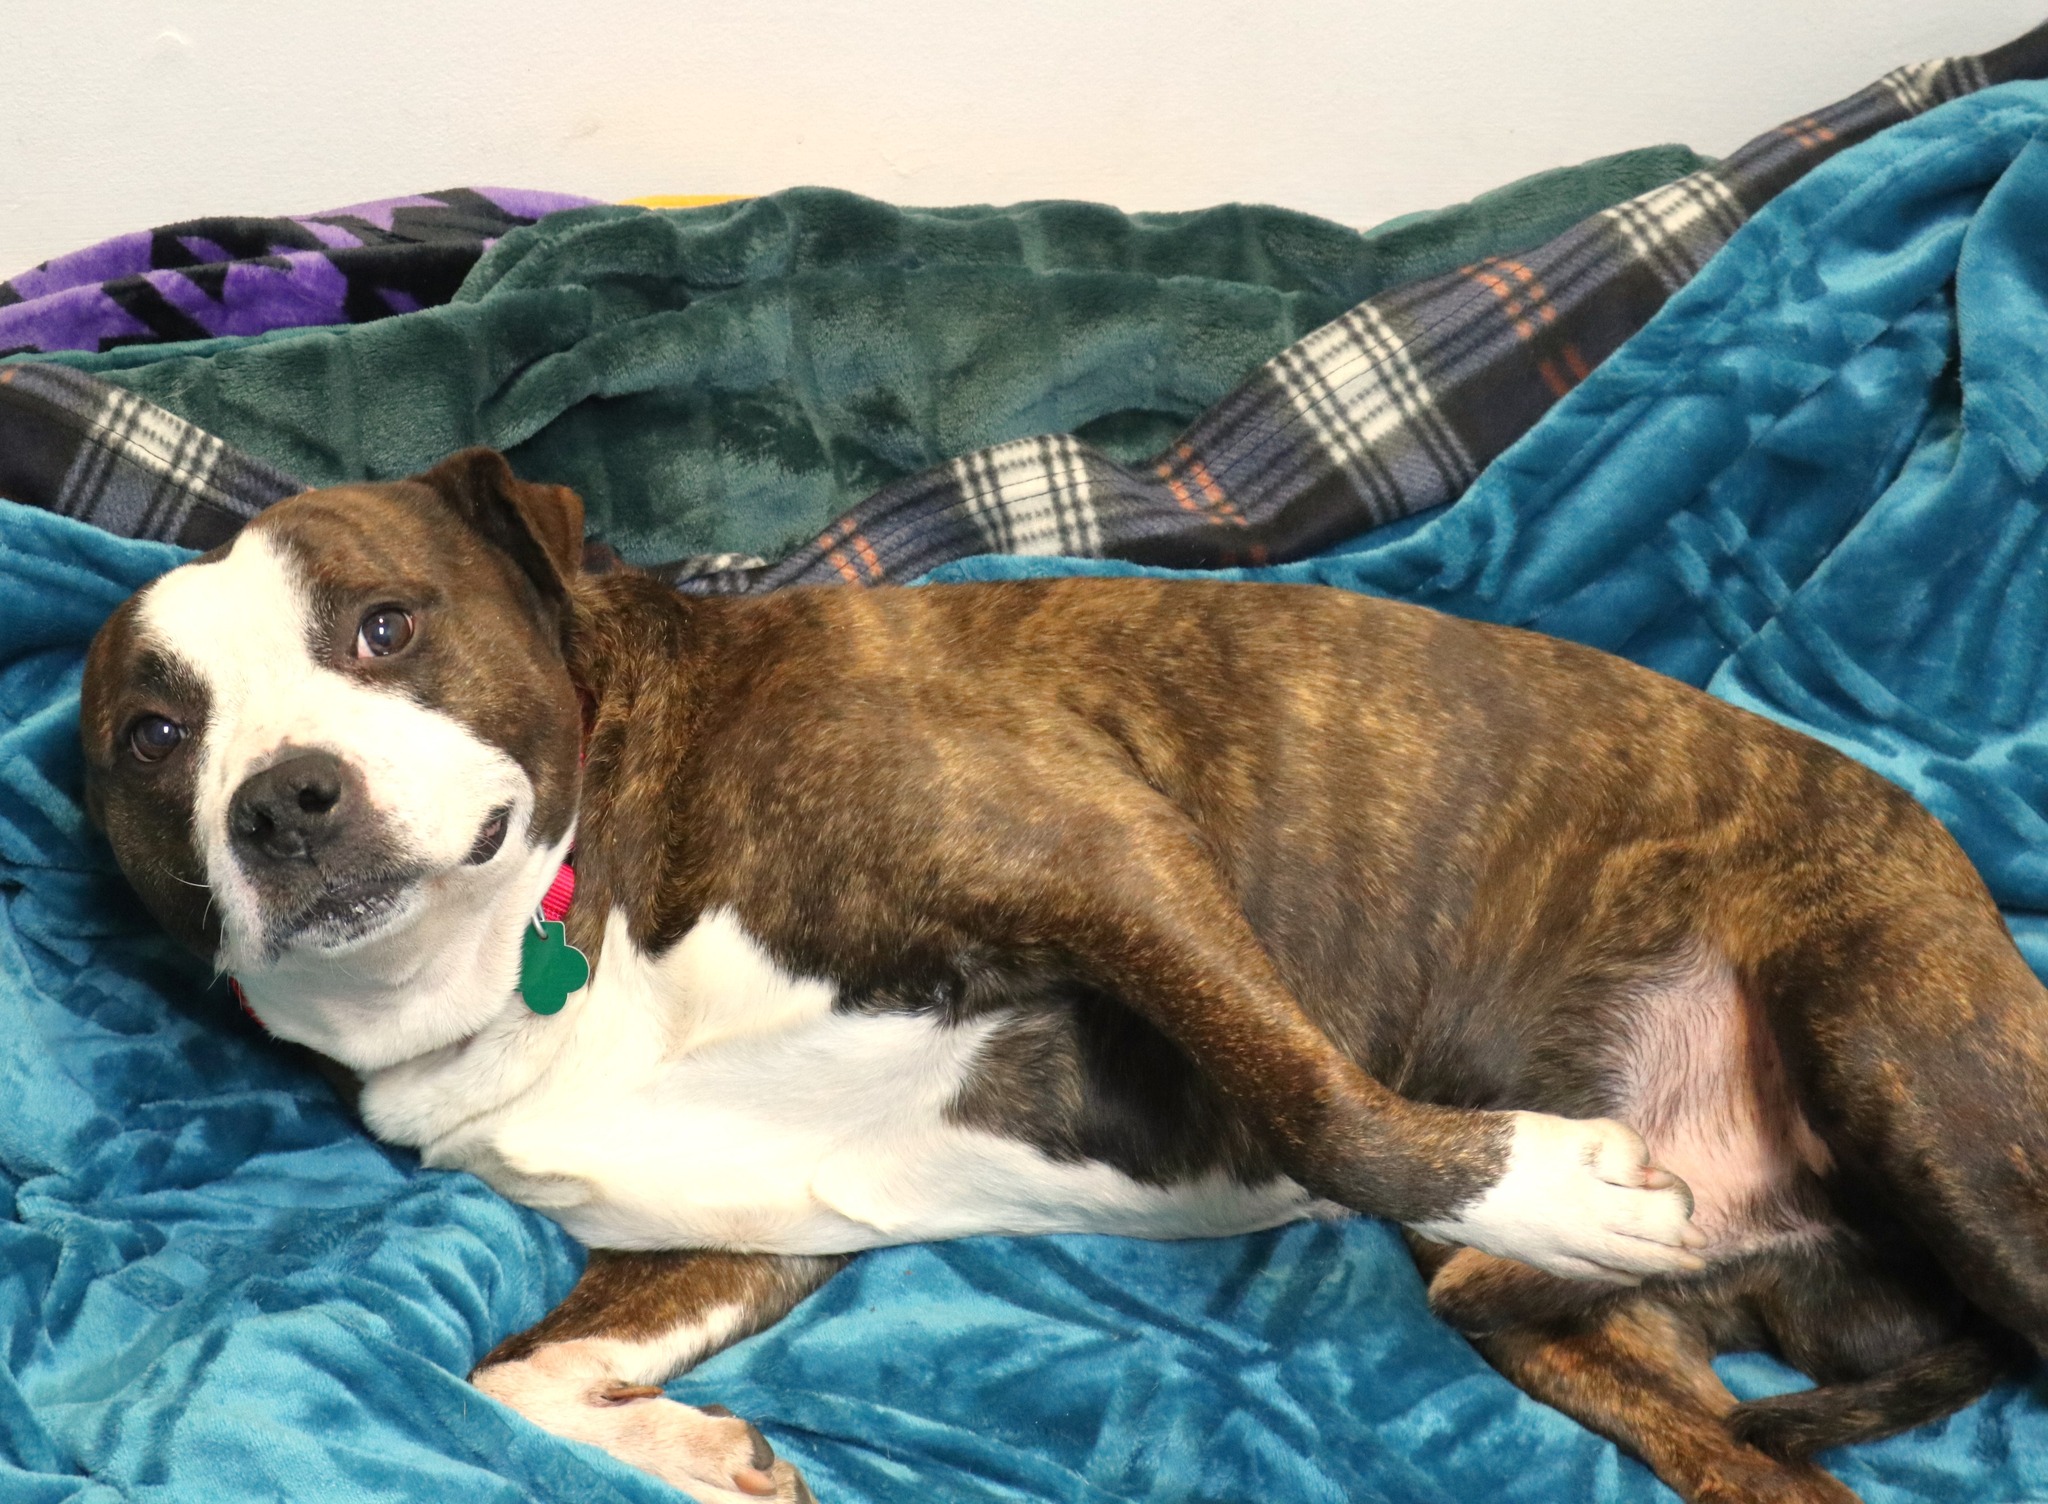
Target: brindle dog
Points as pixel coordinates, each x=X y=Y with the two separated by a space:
x=1293 y=896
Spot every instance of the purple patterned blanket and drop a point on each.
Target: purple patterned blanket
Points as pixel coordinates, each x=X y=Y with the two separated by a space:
x=235 y=274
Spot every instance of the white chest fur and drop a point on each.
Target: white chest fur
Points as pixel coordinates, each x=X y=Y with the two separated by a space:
x=706 y=1098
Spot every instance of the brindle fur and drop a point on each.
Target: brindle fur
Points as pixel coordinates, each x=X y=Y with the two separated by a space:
x=1274 y=877
x=638 y=1297
x=1866 y=1313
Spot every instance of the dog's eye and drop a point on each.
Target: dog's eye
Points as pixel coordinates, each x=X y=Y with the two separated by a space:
x=383 y=632
x=154 y=737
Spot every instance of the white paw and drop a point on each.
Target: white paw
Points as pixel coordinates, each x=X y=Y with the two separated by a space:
x=709 y=1454
x=1581 y=1198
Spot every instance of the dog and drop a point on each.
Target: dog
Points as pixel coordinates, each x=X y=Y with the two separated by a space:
x=1124 y=906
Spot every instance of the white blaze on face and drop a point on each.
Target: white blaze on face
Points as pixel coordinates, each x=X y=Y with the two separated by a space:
x=242 y=626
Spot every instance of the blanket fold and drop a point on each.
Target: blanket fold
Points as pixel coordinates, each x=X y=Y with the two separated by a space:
x=727 y=379
x=1388 y=411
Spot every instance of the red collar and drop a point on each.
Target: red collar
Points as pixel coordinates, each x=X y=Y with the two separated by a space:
x=554 y=903
x=561 y=892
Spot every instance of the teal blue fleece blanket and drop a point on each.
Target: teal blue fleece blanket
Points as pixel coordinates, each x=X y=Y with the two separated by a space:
x=1814 y=485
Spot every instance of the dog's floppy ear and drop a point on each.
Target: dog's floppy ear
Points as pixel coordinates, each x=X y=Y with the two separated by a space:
x=540 y=527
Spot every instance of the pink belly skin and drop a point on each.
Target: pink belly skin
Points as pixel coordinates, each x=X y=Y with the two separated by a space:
x=1701 y=1077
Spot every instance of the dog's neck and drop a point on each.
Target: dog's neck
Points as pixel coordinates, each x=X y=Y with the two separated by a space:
x=651 y=665
x=640 y=653
x=417 y=988
x=642 y=659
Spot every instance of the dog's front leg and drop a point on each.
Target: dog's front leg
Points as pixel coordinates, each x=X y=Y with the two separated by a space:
x=1132 y=892
x=592 y=1368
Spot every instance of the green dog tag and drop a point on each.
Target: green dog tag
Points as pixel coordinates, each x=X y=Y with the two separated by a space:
x=550 y=968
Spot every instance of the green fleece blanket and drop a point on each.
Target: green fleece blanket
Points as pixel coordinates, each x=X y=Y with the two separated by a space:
x=731 y=378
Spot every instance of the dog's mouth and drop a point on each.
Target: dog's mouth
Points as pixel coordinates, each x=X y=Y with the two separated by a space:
x=490 y=837
x=345 y=912
x=349 y=907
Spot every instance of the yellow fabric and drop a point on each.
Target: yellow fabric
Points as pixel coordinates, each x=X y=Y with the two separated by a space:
x=684 y=200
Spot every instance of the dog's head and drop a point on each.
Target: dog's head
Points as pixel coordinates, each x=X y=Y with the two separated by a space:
x=345 y=745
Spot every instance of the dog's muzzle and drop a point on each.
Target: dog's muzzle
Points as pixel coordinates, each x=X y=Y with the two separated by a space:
x=317 y=853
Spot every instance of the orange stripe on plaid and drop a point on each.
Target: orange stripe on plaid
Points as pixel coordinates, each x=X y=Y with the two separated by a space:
x=1222 y=504
x=1539 y=298
x=1511 y=304
x=829 y=541
x=867 y=556
x=1807 y=132
x=1528 y=306
x=1574 y=370
x=1180 y=492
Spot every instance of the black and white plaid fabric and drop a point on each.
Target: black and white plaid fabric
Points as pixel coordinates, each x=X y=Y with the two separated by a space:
x=83 y=448
x=1388 y=410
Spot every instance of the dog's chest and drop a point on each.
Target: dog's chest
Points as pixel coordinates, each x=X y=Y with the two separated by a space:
x=706 y=1098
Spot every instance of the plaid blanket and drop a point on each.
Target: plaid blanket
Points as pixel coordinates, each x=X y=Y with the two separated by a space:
x=1390 y=409
x=236 y=274
x=83 y=448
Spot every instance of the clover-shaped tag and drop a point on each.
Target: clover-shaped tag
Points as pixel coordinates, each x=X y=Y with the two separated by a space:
x=550 y=968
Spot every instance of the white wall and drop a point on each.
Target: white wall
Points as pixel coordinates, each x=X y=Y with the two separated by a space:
x=123 y=113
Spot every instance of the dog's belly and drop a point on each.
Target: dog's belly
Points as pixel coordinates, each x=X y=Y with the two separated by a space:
x=1698 y=1073
x=777 y=1124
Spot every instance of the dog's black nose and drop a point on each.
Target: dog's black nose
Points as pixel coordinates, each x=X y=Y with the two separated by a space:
x=291 y=809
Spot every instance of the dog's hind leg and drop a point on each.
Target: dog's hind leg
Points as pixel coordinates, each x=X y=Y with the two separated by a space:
x=591 y=1369
x=1890 y=1344
x=1918 y=1039
x=1625 y=1364
x=1129 y=890
x=1641 y=1376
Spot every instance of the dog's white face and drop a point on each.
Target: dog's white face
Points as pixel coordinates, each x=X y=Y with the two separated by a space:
x=339 y=756
x=329 y=808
